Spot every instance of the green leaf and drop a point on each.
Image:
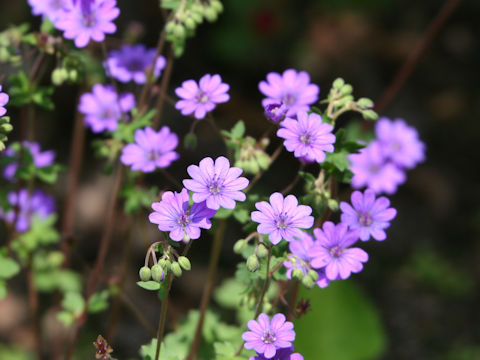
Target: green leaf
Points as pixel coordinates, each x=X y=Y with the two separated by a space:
x=238 y=130
x=74 y=303
x=241 y=215
x=98 y=302
x=339 y=160
x=149 y=285
x=229 y=293
x=3 y=289
x=223 y=213
x=8 y=267
x=345 y=323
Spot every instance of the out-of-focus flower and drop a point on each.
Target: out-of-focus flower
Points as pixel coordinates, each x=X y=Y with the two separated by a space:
x=399 y=142
x=370 y=169
x=292 y=88
x=308 y=137
x=88 y=19
x=103 y=108
x=151 y=149
x=40 y=159
x=276 y=111
x=266 y=337
x=131 y=62
x=368 y=215
x=333 y=252
x=53 y=9
x=281 y=354
x=28 y=205
x=216 y=182
x=201 y=98
x=173 y=214
x=3 y=101
x=282 y=218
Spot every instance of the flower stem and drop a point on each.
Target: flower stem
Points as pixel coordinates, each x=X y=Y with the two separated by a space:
x=212 y=272
x=257 y=177
x=163 y=89
x=163 y=315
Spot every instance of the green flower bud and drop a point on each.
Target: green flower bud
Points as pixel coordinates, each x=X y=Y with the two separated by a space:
x=370 y=115
x=251 y=302
x=6 y=127
x=297 y=274
x=170 y=27
x=190 y=141
x=157 y=273
x=217 y=6
x=184 y=263
x=210 y=14
x=73 y=75
x=162 y=263
x=197 y=9
x=59 y=76
x=179 y=31
x=190 y=23
x=145 y=273
x=262 y=251
x=168 y=264
x=364 y=103
x=333 y=204
x=313 y=275
x=177 y=271
x=338 y=83
x=197 y=17
x=346 y=89
x=307 y=282
x=239 y=246
x=252 y=263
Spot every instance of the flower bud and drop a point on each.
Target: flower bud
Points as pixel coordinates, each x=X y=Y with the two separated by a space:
x=176 y=269
x=59 y=76
x=168 y=264
x=210 y=14
x=252 y=263
x=338 y=83
x=370 y=115
x=162 y=263
x=145 y=273
x=346 y=89
x=262 y=251
x=307 y=282
x=179 y=31
x=297 y=274
x=313 y=275
x=364 y=103
x=333 y=204
x=6 y=127
x=184 y=263
x=157 y=273
x=190 y=141
x=217 y=6
x=190 y=23
x=239 y=246
x=170 y=27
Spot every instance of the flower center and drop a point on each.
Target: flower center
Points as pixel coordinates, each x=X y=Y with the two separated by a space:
x=201 y=97
x=135 y=65
x=365 y=219
x=268 y=336
x=108 y=113
x=282 y=221
x=374 y=169
x=289 y=99
x=87 y=13
x=396 y=146
x=184 y=218
x=306 y=139
x=336 y=251
x=215 y=186
x=152 y=155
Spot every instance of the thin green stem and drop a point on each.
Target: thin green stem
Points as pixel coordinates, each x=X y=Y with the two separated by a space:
x=163 y=315
x=257 y=177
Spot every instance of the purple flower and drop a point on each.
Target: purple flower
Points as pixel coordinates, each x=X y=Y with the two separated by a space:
x=292 y=88
x=300 y=258
x=151 y=149
x=308 y=136
x=88 y=19
x=333 y=254
x=282 y=218
x=281 y=354
x=3 y=101
x=173 y=214
x=266 y=337
x=40 y=159
x=103 y=108
x=371 y=169
x=217 y=183
x=368 y=215
x=29 y=205
x=400 y=142
x=198 y=99
x=131 y=63
x=53 y=9
x=276 y=111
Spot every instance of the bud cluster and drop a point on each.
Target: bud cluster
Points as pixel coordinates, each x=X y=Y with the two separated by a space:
x=251 y=155
x=5 y=128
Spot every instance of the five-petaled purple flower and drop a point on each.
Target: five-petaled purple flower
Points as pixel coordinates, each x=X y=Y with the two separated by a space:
x=151 y=149
x=28 y=205
x=40 y=159
x=198 y=99
x=281 y=354
x=173 y=214
x=333 y=253
x=88 y=19
x=216 y=182
x=368 y=215
x=292 y=88
x=399 y=142
x=266 y=337
x=276 y=111
x=103 y=108
x=282 y=218
x=131 y=63
x=53 y=9
x=300 y=258
x=308 y=136
x=371 y=169
x=3 y=101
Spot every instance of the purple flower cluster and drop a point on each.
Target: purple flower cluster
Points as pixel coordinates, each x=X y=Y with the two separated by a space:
x=307 y=137
x=3 y=101
x=103 y=108
x=131 y=63
x=173 y=214
x=151 y=149
x=268 y=338
x=292 y=88
x=216 y=183
x=381 y=165
x=40 y=159
x=25 y=206
x=202 y=97
x=282 y=218
x=84 y=20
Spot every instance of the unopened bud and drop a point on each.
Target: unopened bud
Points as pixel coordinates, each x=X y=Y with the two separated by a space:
x=217 y=6
x=364 y=103
x=239 y=246
x=338 y=83
x=210 y=14
x=346 y=89
x=179 y=31
x=333 y=204
x=6 y=127
x=307 y=282
x=190 y=23
x=145 y=273
x=313 y=275
x=252 y=263
x=262 y=251
x=184 y=263
x=297 y=274
x=267 y=307
x=176 y=269
x=370 y=115
x=157 y=273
